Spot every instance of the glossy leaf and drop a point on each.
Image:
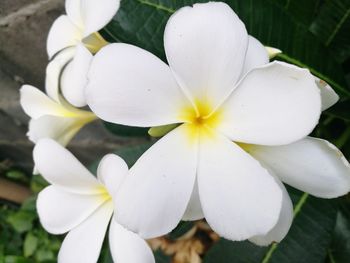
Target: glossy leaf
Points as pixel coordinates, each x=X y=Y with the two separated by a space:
x=126 y=131
x=332 y=26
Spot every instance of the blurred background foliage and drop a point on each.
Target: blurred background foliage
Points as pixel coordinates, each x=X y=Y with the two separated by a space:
x=311 y=33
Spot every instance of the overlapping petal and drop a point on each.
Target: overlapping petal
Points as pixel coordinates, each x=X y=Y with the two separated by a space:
x=240 y=199
x=59 y=167
x=194 y=209
x=274 y=104
x=154 y=197
x=111 y=172
x=58 y=128
x=54 y=71
x=130 y=86
x=127 y=246
x=97 y=14
x=36 y=104
x=62 y=34
x=74 y=77
x=83 y=243
x=205 y=47
x=280 y=230
x=312 y=165
x=60 y=211
x=328 y=95
x=256 y=56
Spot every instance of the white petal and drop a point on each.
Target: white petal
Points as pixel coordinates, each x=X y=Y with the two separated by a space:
x=127 y=246
x=275 y=104
x=54 y=71
x=194 y=209
x=328 y=95
x=83 y=244
x=130 y=86
x=74 y=77
x=63 y=34
x=112 y=171
x=280 y=230
x=240 y=199
x=256 y=55
x=205 y=47
x=154 y=197
x=59 y=167
x=73 y=9
x=60 y=129
x=97 y=14
x=312 y=165
x=60 y=211
x=36 y=104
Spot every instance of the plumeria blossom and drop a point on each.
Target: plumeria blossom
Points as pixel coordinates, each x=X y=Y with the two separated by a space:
x=81 y=204
x=79 y=30
x=223 y=102
x=52 y=119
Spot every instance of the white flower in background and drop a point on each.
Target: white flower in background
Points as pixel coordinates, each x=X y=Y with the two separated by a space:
x=81 y=204
x=221 y=103
x=78 y=30
x=52 y=119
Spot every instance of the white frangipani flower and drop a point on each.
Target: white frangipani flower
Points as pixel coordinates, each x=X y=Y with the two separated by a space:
x=81 y=204
x=222 y=102
x=83 y=21
x=52 y=119
x=77 y=31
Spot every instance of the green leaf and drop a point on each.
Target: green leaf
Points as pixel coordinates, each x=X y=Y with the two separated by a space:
x=340 y=110
x=182 y=228
x=332 y=26
x=307 y=241
x=142 y=23
x=127 y=131
x=30 y=244
x=131 y=154
x=22 y=221
x=17 y=259
x=18 y=176
x=160 y=257
x=38 y=183
x=303 y=12
x=339 y=252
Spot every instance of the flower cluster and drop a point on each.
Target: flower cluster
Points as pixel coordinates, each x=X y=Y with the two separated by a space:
x=235 y=128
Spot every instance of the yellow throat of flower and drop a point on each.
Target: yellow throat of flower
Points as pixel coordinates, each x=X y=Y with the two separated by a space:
x=201 y=119
x=94 y=42
x=104 y=194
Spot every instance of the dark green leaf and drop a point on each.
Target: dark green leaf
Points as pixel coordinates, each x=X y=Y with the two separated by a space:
x=332 y=26
x=339 y=252
x=182 y=228
x=160 y=257
x=132 y=153
x=307 y=241
x=303 y=12
x=128 y=131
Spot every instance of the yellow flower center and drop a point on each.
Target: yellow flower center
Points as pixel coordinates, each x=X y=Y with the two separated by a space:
x=202 y=118
x=103 y=193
